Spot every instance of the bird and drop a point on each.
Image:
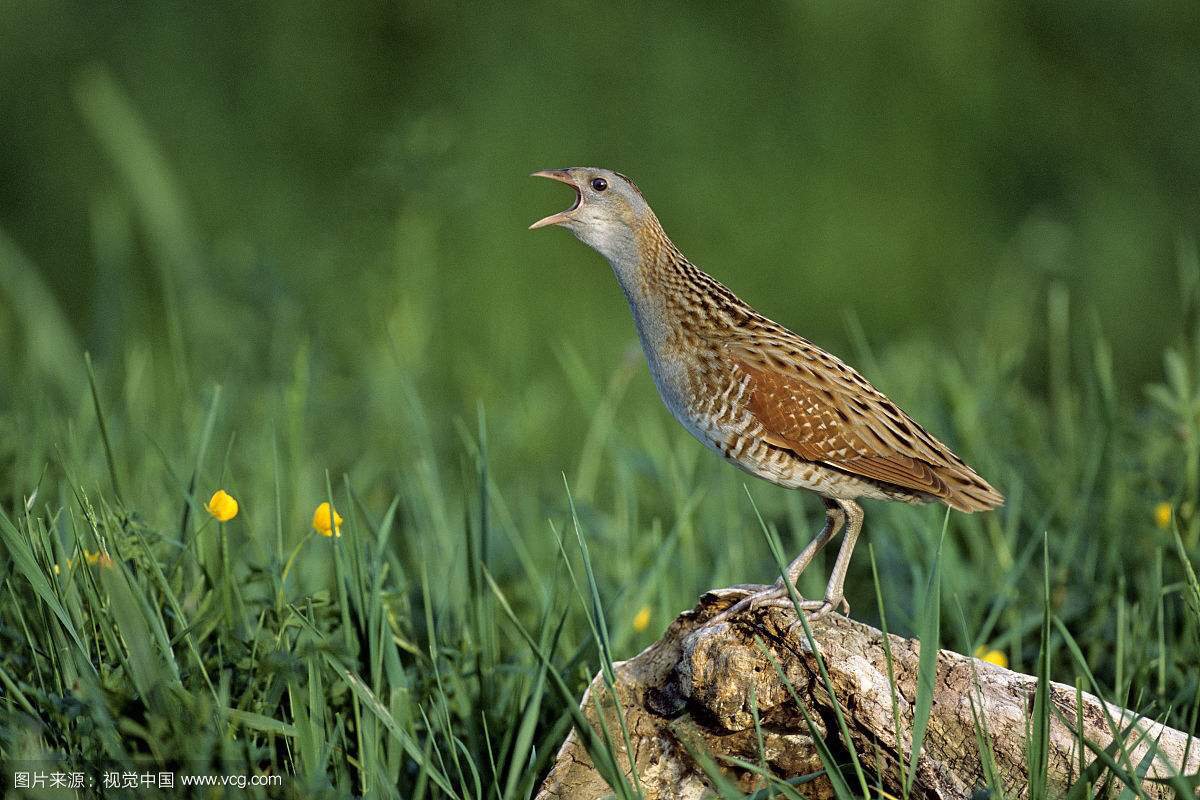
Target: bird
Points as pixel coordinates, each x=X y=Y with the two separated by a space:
x=770 y=402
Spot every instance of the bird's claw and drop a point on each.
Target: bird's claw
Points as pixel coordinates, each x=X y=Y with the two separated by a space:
x=831 y=604
x=745 y=604
x=777 y=596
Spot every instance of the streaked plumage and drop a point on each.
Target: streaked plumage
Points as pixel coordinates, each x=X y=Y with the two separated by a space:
x=767 y=400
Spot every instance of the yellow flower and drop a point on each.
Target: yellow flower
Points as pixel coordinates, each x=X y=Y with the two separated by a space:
x=641 y=620
x=322 y=524
x=58 y=569
x=97 y=559
x=1162 y=515
x=996 y=657
x=222 y=506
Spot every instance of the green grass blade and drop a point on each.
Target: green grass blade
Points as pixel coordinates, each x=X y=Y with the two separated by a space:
x=841 y=788
x=725 y=789
x=1038 y=742
x=802 y=618
x=18 y=547
x=104 y=437
x=931 y=616
x=890 y=661
x=600 y=752
x=601 y=626
x=522 y=747
x=260 y=722
x=371 y=702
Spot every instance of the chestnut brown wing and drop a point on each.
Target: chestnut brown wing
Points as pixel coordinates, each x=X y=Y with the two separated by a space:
x=814 y=405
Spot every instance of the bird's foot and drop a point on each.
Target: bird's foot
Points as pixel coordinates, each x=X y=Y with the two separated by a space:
x=813 y=609
x=777 y=596
x=827 y=605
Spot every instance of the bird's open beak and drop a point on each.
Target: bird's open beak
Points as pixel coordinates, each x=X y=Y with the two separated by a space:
x=562 y=176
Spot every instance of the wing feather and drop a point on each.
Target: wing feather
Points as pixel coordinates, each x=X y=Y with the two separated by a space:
x=813 y=404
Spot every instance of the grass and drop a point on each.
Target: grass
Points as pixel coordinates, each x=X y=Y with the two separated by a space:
x=439 y=646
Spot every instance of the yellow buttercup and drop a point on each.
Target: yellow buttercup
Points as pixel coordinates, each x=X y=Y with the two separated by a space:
x=222 y=505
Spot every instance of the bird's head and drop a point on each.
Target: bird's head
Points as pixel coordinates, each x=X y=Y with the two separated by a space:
x=608 y=210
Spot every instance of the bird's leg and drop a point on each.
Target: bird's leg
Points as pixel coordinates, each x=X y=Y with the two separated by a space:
x=777 y=594
x=835 y=517
x=834 y=597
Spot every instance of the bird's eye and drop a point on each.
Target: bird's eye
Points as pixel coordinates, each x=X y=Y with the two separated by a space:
x=599 y=184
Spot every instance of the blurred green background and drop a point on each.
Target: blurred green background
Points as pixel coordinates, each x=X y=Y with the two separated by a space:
x=249 y=182
x=914 y=166
x=991 y=208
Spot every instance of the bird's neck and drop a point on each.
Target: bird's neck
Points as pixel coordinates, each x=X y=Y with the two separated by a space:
x=648 y=265
x=672 y=300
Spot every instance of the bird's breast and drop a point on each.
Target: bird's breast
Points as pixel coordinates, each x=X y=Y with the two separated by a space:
x=708 y=397
x=705 y=391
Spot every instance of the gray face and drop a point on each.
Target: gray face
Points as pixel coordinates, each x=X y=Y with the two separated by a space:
x=607 y=212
